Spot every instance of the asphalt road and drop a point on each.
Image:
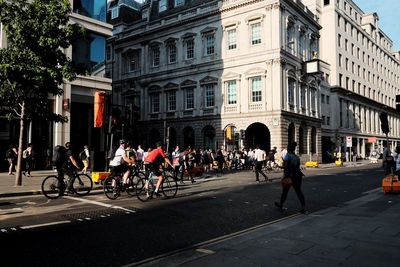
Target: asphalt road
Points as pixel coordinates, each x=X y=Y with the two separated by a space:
x=95 y=231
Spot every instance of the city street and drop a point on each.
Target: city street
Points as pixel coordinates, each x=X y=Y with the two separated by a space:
x=95 y=231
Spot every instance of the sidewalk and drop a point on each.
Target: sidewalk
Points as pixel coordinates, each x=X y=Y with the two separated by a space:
x=364 y=232
x=32 y=185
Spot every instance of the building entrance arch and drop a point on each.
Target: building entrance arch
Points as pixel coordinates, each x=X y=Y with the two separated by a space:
x=257 y=134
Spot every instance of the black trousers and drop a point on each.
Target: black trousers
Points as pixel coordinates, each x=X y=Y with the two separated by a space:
x=259 y=171
x=297 y=188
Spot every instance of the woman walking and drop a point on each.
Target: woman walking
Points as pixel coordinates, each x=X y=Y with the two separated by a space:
x=292 y=169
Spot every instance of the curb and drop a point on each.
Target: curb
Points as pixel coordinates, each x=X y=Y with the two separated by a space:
x=36 y=192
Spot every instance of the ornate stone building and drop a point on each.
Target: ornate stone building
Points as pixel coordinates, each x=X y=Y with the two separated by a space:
x=365 y=77
x=227 y=73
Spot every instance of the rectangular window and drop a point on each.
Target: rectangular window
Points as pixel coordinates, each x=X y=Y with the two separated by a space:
x=326 y=2
x=162 y=5
x=133 y=61
x=313 y=98
x=231 y=89
x=256 y=33
x=114 y=12
x=327 y=99
x=303 y=97
x=291 y=85
x=156 y=56
x=189 y=98
x=232 y=39
x=155 y=103
x=171 y=101
x=255 y=87
x=189 y=49
x=322 y=98
x=171 y=53
x=210 y=44
x=328 y=120
x=323 y=120
x=179 y=3
x=210 y=95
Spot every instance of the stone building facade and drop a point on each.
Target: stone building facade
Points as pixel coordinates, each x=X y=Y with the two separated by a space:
x=364 y=77
x=218 y=74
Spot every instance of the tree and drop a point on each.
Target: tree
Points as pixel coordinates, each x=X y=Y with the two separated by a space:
x=33 y=66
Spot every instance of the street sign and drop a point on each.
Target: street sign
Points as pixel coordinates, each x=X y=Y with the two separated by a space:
x=349 y=141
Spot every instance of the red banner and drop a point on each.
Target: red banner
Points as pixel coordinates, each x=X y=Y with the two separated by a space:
x=99 y=102
x=372 y=140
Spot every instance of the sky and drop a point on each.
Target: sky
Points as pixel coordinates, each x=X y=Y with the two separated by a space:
x=387 y=10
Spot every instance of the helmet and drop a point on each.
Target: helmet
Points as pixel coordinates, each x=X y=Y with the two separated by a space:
x=122 y=141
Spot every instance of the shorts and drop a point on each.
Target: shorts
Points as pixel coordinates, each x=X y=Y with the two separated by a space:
x=119 y=170
x=154 y=168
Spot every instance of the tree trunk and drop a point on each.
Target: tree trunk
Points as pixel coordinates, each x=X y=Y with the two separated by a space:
x=18 y=177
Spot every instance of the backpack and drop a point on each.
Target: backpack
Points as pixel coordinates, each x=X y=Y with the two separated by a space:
x=25 y=154
x=10 y=153
x=82 y=155
x=58 y=155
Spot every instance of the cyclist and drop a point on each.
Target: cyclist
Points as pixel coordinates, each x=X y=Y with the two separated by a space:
x=119 y=164
x=153 y=161
x=70 y=166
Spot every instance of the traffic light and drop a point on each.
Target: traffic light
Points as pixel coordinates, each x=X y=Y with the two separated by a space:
x=242 y=134
x=383 y=116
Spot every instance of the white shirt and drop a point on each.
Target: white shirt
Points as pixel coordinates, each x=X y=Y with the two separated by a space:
x=259 y=155
x=118 y=158
x=139 y=154
x=87 y=153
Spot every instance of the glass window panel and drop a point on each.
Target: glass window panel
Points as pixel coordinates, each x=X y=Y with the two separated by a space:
x=255 y=84
x=95 y=9
x=89 y=53
x=232 y=93
x=232 y=39
x=190 y=98
x=256 y=33
x=209 y=92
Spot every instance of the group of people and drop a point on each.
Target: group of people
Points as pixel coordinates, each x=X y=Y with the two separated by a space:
x=27 y=159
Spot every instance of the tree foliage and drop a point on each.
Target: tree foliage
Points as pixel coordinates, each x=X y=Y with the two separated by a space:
x=34 y=65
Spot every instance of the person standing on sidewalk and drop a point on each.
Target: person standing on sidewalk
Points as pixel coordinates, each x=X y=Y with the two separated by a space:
x=259 y=156
x=27 y=156
x=291 y=165
x=11 y=156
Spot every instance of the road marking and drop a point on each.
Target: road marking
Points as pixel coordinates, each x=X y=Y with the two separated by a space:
x=98 y=203
x=43 y=224
x=10 y=211
x=205 y=251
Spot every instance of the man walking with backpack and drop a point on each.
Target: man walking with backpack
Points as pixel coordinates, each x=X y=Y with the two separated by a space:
x=84 y=155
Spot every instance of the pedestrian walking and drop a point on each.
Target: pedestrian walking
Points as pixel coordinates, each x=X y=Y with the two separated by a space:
x=259 y=156
x=11 y=157
x=84 y=155
x=292 y=169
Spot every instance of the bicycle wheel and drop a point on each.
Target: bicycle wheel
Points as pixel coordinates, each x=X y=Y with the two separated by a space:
x=131 y=189
x=111 y=187
x=169 y=187
x=83 y=184
x=144 y=189
x=51 y=188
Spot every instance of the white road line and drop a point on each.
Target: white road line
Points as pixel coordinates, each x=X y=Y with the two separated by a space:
x=98 y=203
x=43 y=224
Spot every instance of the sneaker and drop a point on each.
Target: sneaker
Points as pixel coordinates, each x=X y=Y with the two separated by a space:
x=257 y=181
x=157 y=194
x=279 y=206
x=24 y=173
x=193 y=181
x=303 y=211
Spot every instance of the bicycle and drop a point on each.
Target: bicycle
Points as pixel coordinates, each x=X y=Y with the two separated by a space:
x=82 y=185
x=272 y=166
x=145 y=186
x=113 y=185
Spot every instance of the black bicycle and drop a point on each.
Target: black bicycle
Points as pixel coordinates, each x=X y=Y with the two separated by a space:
x=145 y=186
x=82 y=185
x=113 y=185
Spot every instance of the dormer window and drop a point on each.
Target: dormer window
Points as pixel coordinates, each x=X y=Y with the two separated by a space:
x=179 y=3
x=114 y=12
x=162 y=5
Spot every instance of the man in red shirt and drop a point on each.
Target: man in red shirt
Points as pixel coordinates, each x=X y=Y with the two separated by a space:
x=153 y=160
